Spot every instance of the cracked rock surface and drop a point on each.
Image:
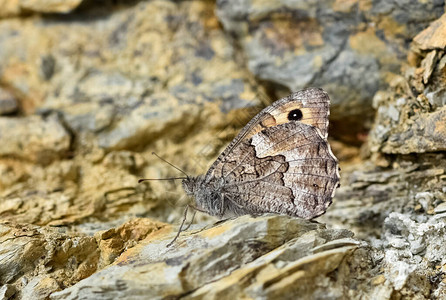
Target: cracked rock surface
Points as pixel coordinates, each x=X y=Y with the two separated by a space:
x=88 y=90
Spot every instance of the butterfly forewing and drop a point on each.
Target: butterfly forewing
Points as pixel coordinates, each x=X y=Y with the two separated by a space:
x=313 y=104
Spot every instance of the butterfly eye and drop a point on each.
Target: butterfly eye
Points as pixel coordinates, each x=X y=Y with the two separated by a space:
x=295 y=115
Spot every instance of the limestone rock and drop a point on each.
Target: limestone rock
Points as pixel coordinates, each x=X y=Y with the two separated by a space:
x=412 y=247
x=332 y=44
x=36 y=139
x=37 y=261
x=50 y=6
x=433 y=37
x=18 y=7
x=412 y=120
x=8 y=104
x=222 y=261
x=28 y=251
x=368 y=193
x=87 y=94
x=398 y=210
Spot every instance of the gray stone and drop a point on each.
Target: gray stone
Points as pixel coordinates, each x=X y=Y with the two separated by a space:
x=437 y=98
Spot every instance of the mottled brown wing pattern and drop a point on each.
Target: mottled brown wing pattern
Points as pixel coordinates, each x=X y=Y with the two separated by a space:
x=313 y=103
x=281 y=166
x=293 y=172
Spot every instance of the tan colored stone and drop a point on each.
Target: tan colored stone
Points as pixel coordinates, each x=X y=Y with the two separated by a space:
x=13 y=8
x=344 y=5
x=10 y=8
x=427 y=133
x=113 y=242
x=34 y=139
x=433 y=37
x=428 y=65
x=50 y=6
x=380 y=279
x=224 y=260
x=37 y=261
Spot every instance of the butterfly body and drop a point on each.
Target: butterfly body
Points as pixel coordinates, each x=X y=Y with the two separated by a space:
x=209 y=197
x=280 y=162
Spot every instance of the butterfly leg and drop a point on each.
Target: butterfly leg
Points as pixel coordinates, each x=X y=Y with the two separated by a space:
x=197 y=209
x=231 y=206
x=191 y=221
x=180 y=229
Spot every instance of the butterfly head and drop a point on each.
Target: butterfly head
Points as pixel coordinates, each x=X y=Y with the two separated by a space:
x=191 y=184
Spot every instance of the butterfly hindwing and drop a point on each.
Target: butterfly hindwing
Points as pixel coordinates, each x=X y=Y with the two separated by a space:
x=289 y=169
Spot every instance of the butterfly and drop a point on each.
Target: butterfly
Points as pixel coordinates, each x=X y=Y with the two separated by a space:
x=281 y=162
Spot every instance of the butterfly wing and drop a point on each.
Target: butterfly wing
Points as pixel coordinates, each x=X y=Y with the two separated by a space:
x=279 y=164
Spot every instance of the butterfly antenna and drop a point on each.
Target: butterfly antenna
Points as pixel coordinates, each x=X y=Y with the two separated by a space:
x=153 y=153
x=181 y=227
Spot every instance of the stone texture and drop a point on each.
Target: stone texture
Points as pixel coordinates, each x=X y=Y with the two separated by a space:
x=433 y=37
x=50 y=6
x=37 y=261
x=35 y=139
x=12 y=8
x=89 y=91
x=413 y=119
x=222 y=261
x=8 y=104
x=331 y=44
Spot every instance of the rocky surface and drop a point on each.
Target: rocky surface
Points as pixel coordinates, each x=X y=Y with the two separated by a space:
x=276 y=253
x=8 y=104
x=89 y=90
x=331 y=44
x=13 y=8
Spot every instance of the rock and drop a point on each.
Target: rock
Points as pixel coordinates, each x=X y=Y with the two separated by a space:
x=99 y=87
x=50 y=6
x=197 y=75
x=219 y=261
x=26 y=249
x=40 y=288
x=37 y=261
x=427 y=133
x=36 y=139
x=369 y=194
x=8 y=104
x=415 y=125
x=15 y=8
x=7 y=291
x=433 y=37
x=9 y=8
x=407 y=265
x=437 y=98
x=327 y=44
x=148 y=120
